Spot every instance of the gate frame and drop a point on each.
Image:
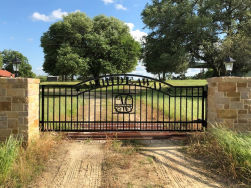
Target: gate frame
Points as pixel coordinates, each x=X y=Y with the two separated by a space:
x=77 y=87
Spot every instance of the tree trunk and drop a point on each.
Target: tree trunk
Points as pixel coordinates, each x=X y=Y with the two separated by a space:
x=96 y=79
x=164 y=76
x=159 y=76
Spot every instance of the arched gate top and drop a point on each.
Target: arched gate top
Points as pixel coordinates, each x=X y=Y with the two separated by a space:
x=124 y=77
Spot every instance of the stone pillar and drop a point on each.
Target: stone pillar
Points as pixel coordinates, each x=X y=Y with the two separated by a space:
x=229 y=102
x=19 y=108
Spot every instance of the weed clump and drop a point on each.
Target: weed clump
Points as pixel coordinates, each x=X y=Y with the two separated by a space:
x=224 y=151
x=19 y=165
x=8 y=154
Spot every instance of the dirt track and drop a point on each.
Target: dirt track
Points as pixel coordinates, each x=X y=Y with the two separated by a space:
x=175 y=168
x=79 y=164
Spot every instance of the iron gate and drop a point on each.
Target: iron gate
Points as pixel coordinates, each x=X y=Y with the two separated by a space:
x=122 y=102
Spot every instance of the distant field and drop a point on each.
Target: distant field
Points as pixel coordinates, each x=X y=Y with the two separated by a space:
x=59 y=83
x=187 y=82
x=172 y=82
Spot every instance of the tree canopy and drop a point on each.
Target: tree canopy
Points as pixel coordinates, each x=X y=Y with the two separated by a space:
x=1 y=61
x=25 y=69
x=79 y=45
x=193 y=31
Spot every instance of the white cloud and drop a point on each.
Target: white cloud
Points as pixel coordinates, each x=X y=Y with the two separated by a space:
x=120 y=7
x=108 y=1
x=30 y=39
x=55 y=15
x=136 y=34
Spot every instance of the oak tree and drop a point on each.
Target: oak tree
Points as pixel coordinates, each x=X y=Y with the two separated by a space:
x=101 y=45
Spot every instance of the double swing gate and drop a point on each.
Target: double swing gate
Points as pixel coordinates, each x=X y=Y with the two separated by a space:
x=122 y=102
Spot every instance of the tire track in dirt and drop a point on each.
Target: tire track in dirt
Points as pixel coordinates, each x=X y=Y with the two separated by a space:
x=78 y=164
x=175 y=169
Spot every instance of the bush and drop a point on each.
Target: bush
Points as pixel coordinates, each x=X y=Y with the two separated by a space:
x=42 y=78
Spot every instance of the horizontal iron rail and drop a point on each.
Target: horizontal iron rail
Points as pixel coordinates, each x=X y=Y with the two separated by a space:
x=120 y=130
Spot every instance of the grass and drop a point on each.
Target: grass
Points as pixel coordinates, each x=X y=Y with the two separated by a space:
x=225 y=152
x=187 y=82
x=8 y=154
x=60 y=83
x=19 y=165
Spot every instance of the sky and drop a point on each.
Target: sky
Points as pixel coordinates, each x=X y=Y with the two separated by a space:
x=23 y=22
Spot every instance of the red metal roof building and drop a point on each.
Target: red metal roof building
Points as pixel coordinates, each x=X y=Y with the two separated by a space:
x=4 y=73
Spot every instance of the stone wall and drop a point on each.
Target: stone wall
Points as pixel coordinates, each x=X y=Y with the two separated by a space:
x=19 y=108
x=229 y=102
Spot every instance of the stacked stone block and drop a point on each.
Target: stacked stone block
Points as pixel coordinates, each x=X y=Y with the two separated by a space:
x=229 y=102
x=19 y=108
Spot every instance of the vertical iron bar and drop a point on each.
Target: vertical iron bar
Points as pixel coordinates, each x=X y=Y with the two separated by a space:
x=146 y=109
x=198 y=106
x=117 y=113
x=202 y=115
x=192 y=110
x=43 y=107
x=169 y=110
x=59 y=106
x=106 y=107
x=180 y=107
x=53 y=108
x=152 y=112
x=71 y=108
x=186 y=108
x=77 y=111
x=48 y=92
x=89 y=110
x=95 y=95
x=206 y=103
x=140 y=107
x=135 y=107
x=65 y=110
x=175 y=107
x=123 y=110
x=157 y=110
x=100 y=108
x=83 y=118
x=129 y=113
x=112 y=107
x=163 y=111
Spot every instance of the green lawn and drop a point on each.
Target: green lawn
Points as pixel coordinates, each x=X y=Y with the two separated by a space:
x=187 y=82
x=60 y=83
